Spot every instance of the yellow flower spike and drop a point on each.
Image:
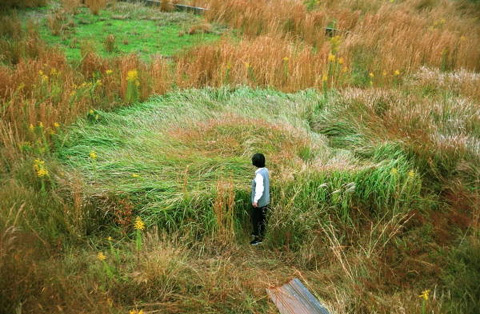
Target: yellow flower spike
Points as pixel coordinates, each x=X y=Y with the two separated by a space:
x=56 y=124
x=371 y=74
x=42 y=173
x=425 y=294
x=134 y=175
x=331 y=57
x=341 y=60
x=132 y=75
x=139 y=224
x=40 y=72
x=110 y=239
x=108 y=72
x=31 y=127
x=394 y=171
x=140 y=312
x=324 y=78
x=93 y=155
x=411 y=173
x=101 y=256
x=396 y=73
x=40 y=125
x=133 y=312
x=286 y=59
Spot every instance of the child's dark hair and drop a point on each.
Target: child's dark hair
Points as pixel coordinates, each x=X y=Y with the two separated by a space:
x=258 y=160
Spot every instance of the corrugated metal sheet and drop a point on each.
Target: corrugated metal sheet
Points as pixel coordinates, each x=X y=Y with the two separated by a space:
x=294 y=298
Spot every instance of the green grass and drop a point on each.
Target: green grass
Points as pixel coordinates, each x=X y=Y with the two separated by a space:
x=167 y=156
x=158 y=34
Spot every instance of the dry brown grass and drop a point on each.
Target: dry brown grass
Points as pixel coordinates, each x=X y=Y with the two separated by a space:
x=96 y=5
x=398 y=36
x=263 y=61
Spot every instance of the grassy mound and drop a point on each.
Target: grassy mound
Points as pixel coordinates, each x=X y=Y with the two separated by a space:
x=172 y=158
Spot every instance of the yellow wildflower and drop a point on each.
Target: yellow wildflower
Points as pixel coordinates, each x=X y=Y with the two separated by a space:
x=371 y=74
x=139 y=224
x=331 y=57
x=108 y=72
x=42 y=173
x=44 y=78
x=394 y=171
x=132 y=75
x=56 y=124
x=93 y=155
x=384 y=73
x=99 y=82
x=396 y=73
x=324 y=78
x=110 y=239
x=38 y=164
x=40 y=125
x=53 y=71
x=411 y=173
x=91 y=111
x=31 y=127
x=344 y=69
x=135 y=175
x=425 y=294
x=340 y=60
x=286 y=59
x=247 y=65
x=40 y=73
x=101 y=256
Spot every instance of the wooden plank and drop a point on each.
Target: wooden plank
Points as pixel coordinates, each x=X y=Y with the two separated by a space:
x=294 y=298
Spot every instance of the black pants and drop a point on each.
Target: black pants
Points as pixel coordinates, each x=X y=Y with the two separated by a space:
x=259 y=220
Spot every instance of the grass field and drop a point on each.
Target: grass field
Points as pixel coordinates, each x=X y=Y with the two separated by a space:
x=125 y=175
x=152 y=33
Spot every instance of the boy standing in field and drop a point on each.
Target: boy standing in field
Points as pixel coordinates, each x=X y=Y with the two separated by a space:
x=260 y=198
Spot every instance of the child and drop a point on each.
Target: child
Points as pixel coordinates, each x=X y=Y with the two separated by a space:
x=260 y=198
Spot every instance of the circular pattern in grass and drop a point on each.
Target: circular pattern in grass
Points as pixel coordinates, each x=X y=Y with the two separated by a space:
x=166 y=157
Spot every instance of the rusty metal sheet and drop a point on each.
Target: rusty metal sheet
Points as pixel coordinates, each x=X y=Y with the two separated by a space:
x=294 y=298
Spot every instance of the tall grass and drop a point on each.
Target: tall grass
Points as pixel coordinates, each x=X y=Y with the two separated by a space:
x=370 y=187
x=396 y=35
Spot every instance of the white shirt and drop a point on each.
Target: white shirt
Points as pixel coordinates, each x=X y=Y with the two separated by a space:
x=259 y=187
